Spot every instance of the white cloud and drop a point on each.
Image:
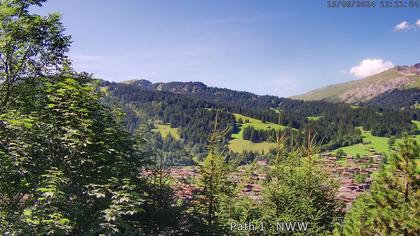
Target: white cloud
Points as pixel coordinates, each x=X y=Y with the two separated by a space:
x=418 y=23
x=402 y=26
x=369 y=67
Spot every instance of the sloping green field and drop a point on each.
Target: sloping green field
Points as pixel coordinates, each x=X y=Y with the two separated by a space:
x=416 y=122
x=313 y=118
x=257 y=124
x=237 y=144
x=380 y=144
x=241 y=145
x=165 y=130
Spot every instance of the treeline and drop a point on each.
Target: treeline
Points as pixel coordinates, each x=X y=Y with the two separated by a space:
x=257 y=135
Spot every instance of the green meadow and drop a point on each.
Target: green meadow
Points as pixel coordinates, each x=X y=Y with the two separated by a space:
x=165 y=130
x=237 y=144
x=313 y=118
x=379 y=144
x=241 y=145
x=257 y=124
x=416 y=122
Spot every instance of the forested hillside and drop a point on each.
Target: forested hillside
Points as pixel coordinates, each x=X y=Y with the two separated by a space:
x=189 y=107
x=397 y=99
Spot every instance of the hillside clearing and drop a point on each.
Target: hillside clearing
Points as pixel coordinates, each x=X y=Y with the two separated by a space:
x=241 y=145
x=165 y=130
x=238 y=144
x=379 y=144
x=314 y=118
x=257 y=124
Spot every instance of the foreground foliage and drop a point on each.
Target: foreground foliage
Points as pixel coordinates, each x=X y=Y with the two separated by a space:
x=392 y=207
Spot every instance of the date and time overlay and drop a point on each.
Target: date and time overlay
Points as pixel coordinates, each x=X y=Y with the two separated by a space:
x=405 y=4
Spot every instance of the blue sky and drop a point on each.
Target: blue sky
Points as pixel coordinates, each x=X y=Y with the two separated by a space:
x=273 y=47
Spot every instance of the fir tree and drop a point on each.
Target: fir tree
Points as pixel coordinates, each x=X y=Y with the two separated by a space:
x=298 y=190
x=392 y=207
x=215 y=191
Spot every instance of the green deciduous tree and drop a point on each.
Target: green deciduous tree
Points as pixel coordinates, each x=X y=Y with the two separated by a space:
x=31 y=46
x=72 y=137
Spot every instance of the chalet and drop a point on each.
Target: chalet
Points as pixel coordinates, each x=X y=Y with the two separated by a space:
x=326 y=154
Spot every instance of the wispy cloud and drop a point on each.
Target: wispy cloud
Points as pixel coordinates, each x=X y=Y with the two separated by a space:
x=368 y=67
x=402 y=26
x=405 y=26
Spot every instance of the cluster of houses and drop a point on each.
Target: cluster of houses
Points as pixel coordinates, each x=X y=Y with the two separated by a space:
x=354 y=175
x=183 y=188
x=252 y=188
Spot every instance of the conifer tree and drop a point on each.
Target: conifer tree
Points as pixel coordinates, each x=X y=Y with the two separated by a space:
x=392 y=206
x=298 y=190
x=162 y=210
x=215 y=190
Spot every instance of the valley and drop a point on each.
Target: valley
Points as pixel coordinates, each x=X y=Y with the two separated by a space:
x=177 y=107
x=350 y=163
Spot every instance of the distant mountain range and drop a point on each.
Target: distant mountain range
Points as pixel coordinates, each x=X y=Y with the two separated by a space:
x=201 y=91
x=401 y=83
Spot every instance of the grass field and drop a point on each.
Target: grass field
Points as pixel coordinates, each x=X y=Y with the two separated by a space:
x=416 y=122
x=276 y=110
x=313 y=117
x=380 y=144
x=104 y=90
x=342 y=162
x=333 y=92
x=241 y=145
x=165 y=130
x=237 y=144
x=257 y=124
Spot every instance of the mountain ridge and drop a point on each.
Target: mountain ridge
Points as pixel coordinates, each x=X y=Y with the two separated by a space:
x=364 y=90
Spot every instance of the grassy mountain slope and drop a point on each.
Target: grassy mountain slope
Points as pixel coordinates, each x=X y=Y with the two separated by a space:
x=363 y=90
x=379 y=144
x=238 y=144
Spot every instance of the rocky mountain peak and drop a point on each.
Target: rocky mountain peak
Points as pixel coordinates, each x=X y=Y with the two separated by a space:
x=409 y=70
